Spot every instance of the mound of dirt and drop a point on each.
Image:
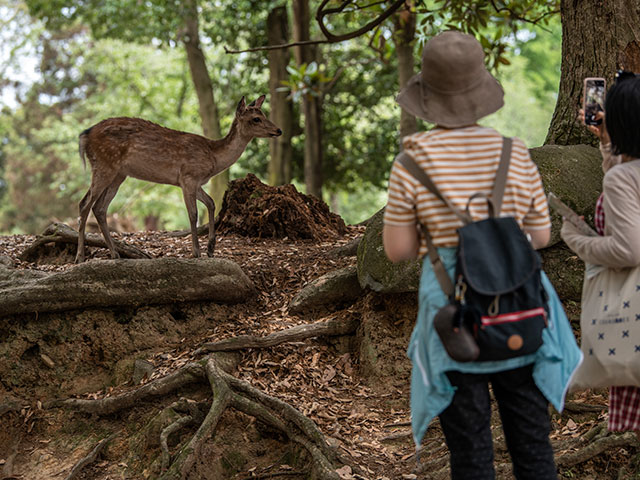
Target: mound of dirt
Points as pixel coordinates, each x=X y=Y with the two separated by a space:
x=252 y=209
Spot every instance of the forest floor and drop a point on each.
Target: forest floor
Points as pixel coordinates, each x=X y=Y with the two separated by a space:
x=364 y=415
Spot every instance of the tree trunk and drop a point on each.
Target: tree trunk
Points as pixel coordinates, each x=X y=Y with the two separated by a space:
x=204 y=89
x=281 y=107
x=404 y=39
x=123 y=283
x=311 y=105
x=598 y=37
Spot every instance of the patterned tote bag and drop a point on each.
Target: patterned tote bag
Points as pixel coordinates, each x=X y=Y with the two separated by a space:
x=610 y=328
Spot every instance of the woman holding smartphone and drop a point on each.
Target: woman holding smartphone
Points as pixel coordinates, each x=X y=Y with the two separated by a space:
x=617 y=218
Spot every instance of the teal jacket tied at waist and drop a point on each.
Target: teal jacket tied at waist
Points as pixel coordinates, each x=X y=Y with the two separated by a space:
x=431 y=391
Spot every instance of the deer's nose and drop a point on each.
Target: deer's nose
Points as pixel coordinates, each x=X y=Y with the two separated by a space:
x=278 y=132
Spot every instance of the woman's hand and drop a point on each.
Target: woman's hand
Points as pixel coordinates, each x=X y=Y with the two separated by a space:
x=599 y=131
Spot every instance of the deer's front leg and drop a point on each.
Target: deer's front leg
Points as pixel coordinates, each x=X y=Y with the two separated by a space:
x=189 y=195
x=211 y=208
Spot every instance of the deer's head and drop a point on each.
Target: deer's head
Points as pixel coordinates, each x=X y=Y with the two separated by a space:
x=252 y=122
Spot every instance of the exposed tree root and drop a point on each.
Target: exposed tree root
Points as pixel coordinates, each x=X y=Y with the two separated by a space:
x=575 y=407
x=228 y=391
x=331 y=327
x=190 y=373
x=201 y=230
x=61 y=233
x=596 y=447
x=348 y=250
x=89 y=459
x=164 y=437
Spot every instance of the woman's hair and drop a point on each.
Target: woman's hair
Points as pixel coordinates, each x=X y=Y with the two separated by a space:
x=622 y=108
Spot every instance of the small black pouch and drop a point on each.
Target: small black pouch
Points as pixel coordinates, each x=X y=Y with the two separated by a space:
x=455 y=334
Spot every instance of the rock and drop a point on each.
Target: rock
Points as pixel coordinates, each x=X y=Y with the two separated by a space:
x=337 y=287
x=376 y=272
x=574 y=174
x=142 y=369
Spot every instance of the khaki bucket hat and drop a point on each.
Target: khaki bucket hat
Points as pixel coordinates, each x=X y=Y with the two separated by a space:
x=454 y=88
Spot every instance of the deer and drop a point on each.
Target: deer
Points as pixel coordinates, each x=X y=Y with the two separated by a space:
x=122 y=147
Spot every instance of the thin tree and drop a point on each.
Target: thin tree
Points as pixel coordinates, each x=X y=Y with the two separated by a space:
x=311 y=104
x=208 y=108
x=281 y=106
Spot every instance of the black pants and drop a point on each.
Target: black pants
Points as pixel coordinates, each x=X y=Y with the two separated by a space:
x=525 y=422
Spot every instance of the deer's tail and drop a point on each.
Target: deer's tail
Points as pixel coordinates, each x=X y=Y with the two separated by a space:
x=82 y=146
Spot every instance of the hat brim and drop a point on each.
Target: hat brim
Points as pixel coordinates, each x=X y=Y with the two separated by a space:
x=451 y=111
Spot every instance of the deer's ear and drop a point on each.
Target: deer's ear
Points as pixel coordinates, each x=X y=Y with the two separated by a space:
x=259 y=101
x=241 y=105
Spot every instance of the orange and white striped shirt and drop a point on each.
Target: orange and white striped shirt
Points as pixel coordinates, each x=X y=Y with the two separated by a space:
x=461 y=162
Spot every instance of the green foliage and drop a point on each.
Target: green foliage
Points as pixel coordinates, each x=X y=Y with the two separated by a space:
x=307 y=79
x=492 y=23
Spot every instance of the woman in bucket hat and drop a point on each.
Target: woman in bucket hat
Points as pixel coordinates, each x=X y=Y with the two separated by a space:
x=453 y=91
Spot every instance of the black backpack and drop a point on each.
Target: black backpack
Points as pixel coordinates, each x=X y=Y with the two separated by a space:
x=498 y=305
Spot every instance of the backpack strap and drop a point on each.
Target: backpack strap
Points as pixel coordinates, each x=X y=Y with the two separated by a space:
x=496 y=196
x=438 y=268
x=501 y=175
x=414 y=169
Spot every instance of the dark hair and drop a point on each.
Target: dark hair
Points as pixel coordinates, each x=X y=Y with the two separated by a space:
x=622 y=108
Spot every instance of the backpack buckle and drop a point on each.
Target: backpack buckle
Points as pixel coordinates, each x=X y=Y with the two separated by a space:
x=460 y=290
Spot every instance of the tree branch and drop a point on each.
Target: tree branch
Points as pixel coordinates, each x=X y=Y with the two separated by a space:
x=330 y=37
x=320 y=14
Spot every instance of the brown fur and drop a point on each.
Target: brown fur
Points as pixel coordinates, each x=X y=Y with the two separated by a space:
x=123 y=147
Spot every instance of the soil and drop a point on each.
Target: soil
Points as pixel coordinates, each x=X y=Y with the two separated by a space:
x=355 y=388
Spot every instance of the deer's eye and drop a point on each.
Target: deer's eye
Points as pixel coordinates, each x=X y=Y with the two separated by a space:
x=255 y=119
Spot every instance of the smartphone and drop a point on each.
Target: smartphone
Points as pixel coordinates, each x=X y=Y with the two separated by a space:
x=594 y=89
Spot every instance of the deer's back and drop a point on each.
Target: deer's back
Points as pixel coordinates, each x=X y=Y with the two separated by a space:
x=143 y=149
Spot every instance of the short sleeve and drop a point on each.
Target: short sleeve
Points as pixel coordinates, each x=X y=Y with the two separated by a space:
x=400 y=210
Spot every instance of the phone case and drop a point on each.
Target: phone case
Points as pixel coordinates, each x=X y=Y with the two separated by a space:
x=592 y=108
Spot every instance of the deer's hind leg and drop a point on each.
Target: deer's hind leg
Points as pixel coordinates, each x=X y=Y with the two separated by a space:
x=211 y=208
x=100 y=211
x=99 y=182
x=189 y=195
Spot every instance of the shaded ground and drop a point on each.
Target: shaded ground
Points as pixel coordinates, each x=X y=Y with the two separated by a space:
x=356 y=391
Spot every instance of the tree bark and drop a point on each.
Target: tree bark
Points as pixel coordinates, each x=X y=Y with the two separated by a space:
x=311 y=105
x=208 y=108
x=281 y=107
x=404 y=39
x=124 y=283
x=598 y=37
